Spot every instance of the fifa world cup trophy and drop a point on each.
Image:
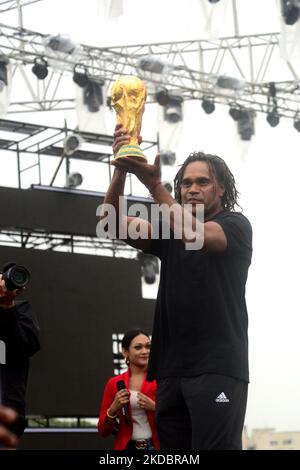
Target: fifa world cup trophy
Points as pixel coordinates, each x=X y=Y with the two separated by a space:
x=128 y=98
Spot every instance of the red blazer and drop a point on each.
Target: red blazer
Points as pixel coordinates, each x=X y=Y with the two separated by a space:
x=124 y=432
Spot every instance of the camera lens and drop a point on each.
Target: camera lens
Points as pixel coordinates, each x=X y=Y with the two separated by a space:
x=16 y=277
x=19 y=276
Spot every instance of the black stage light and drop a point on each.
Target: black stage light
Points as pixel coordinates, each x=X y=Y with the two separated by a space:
x=273 y=117
x=168 y=185
x=162 y=96
x=40 y=68
x=235 y=112
x=167 y=157
x=93 y=96
x=3 y=74
x=208 y=105
x=297 y=123
x=245 y=124
x=151 y=64
x=72 y=143
x=173 y=112
x=290 y=10
x=74 y=180
x=80 y=76
x=149 y=267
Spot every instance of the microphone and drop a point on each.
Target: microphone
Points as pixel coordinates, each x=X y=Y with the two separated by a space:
x=125 y=408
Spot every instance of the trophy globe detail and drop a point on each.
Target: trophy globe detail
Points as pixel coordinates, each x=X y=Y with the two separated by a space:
x=128 y=97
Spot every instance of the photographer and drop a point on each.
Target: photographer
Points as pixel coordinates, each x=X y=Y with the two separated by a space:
x=20 y=333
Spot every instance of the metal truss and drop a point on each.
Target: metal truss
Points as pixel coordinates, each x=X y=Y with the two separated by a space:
x=26 y=139
x=255 y=60
x=66 y=243
x=36 y=423
x=7 y=5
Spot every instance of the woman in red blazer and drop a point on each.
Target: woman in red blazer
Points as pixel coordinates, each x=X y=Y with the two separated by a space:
x=137 y=430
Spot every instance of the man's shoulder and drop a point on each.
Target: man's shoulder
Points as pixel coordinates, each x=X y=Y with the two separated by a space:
x=238 y=232
x=233 y=216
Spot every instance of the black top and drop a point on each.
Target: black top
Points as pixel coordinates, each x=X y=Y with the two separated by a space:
x=20 y=333
x=201 y=321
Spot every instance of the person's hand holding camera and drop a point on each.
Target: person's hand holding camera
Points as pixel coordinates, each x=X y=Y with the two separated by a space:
x=7 y=297
x=8 y=440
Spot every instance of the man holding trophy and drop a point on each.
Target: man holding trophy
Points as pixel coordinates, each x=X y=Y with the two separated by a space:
x=199 y=352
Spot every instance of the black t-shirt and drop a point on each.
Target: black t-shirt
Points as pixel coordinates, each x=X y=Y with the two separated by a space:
x=201 y=321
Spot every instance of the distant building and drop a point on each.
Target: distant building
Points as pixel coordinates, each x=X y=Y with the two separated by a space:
x=269 y=439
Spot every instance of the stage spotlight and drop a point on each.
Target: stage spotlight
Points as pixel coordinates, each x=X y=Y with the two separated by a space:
x=93 y=96
x=108 y=103
x=40 y=68
x=229 y=83
x=72 y=143
x=208 y=105
x=297 y=122
x=149 y=267
x=273 y=117
x=246 y=126
x=167 y=157
x=3 y=73
x=213 y=1
x=74 y=180
x=151 y=64
x=61 y=43
x=290 y=10
x=173 y=110
x=235 y=112
x=162 y=96
x=168 y=185
x=80 y=75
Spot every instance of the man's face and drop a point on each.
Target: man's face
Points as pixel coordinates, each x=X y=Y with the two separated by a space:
x=200 y=186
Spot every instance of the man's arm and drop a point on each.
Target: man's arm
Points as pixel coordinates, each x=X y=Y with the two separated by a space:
x=209 y=235
x=115 y=190
x=214 y=238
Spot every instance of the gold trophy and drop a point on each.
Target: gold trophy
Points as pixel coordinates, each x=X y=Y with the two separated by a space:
x=128 y=98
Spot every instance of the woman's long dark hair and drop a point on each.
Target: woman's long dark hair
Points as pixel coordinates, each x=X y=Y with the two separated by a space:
x=219 y=169
x=130 y=335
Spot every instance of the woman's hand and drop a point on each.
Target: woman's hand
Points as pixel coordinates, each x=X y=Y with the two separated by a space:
x=145 y=402
x=121 y=399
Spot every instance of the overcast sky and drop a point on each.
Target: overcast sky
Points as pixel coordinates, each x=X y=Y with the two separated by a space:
x=267 y=170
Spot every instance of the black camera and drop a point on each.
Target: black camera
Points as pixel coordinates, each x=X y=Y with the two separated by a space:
x=15 y=276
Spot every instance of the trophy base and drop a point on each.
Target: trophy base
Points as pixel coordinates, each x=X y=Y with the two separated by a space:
x=131 y=151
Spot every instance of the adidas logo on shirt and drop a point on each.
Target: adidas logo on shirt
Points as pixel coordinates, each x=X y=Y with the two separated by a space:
x=222 y=398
